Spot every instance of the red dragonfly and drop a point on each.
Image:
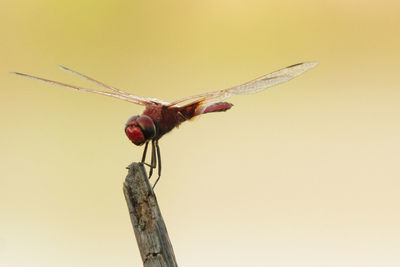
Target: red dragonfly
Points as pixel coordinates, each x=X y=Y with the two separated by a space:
x=160 y=117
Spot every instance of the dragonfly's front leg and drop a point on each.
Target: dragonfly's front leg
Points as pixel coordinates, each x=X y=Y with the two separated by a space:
x=153 y=164
x=159 y=163
x=144 y=153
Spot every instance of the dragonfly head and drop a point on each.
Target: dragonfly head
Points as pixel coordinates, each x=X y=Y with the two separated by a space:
x=140 y=129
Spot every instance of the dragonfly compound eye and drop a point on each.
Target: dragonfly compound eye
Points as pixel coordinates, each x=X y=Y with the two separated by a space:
x=140 y=129
x=134 y=132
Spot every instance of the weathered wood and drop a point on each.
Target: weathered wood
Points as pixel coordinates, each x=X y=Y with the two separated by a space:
x=149 y=227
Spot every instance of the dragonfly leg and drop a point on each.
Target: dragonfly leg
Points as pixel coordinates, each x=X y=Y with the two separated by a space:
x=145 y=152
x=159 y=163
x=153 y=164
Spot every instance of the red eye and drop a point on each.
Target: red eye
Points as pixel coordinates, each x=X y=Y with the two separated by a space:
x=135 y=134
x=140 y=129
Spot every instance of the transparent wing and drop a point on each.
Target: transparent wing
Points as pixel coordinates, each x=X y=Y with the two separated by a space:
x=116 y=93
x=253 y=86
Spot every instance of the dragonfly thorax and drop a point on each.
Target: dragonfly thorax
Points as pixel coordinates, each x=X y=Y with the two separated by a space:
x=140 y=129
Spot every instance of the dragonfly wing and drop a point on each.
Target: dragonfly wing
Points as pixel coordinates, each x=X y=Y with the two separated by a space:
x=116 y=93
x=143 y=100
x=254 y=86
x=271 y=79
x=101 y=84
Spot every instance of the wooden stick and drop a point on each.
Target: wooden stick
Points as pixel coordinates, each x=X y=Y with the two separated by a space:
x=149 y=227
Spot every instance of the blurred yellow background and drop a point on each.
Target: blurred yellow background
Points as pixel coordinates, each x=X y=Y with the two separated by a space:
x=304 y=174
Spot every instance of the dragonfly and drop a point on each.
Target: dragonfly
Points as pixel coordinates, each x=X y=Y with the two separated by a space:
x=160 y=117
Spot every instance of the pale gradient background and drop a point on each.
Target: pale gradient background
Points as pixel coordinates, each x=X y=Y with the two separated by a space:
x=304 y=174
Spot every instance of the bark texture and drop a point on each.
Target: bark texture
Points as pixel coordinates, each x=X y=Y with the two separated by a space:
x=149 y=227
